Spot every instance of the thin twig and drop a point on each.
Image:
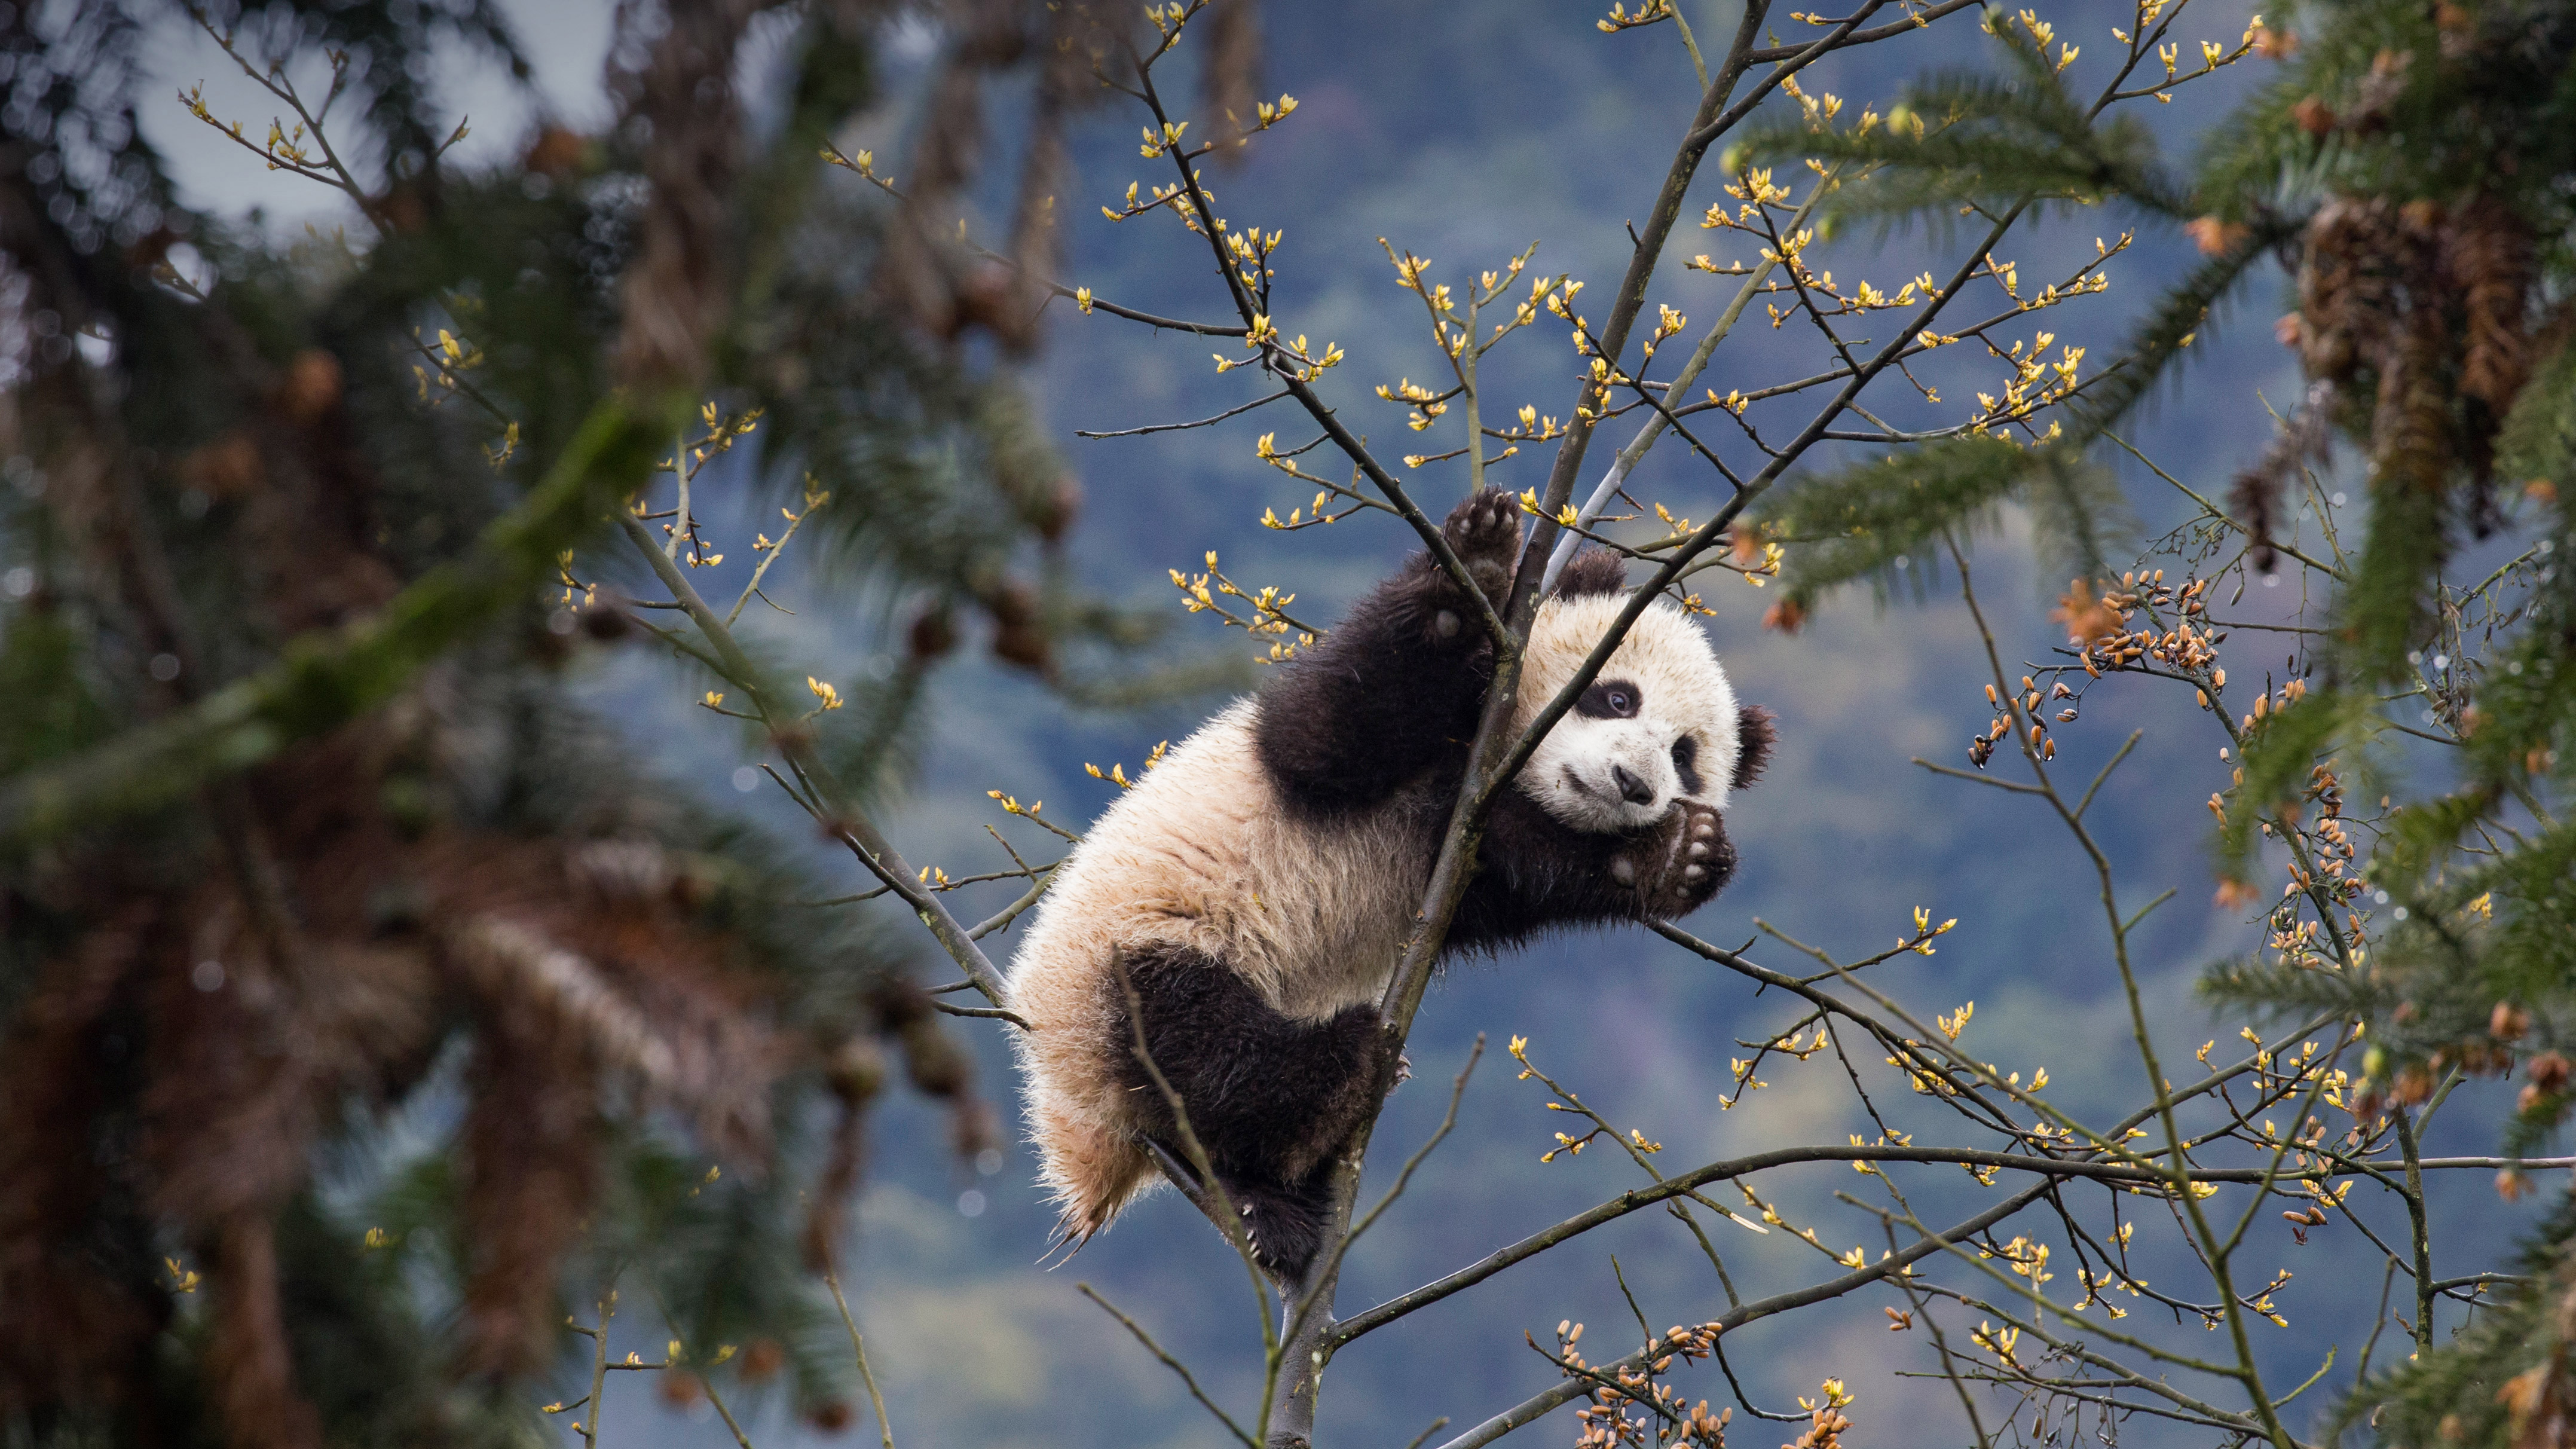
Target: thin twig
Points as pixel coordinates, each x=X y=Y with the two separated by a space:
x=1169 y=1362
x=859 y=1349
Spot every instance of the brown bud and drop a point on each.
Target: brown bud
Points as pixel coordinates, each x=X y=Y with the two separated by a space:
x=831 y=1416
x=312 y=385
x=1054 y=514
x=934 y=1061
x=2508 y=1022
x=762 y=1358
x=1025 y=645
x=2314 y=116
x=1019 y=636
x=973 y=1129
x=680 y=1388
x=2548 y=1071
x=607 y=622
x=2213 y=234
x=858 y=1070
x=226 y=468
x=556 y=153
x=933 y=635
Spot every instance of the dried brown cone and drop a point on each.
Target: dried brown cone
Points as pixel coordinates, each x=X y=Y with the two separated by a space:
x=73 y=1329
x=1230 y=84
x=921 y=274
x=531 y=1148
x=2355 y=254
x=2488 y=256
x=857 y=1072
x=674 y=296
x=2255 y=497
x=1064 y=83
x=2411 y=433
x=249 y=1362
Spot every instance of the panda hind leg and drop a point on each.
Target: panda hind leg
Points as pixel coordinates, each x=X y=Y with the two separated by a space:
x=1270 y=1099
x=1285 y=1221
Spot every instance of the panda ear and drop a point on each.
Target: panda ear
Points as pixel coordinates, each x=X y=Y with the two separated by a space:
x=1754 y=734
x=1592 y=570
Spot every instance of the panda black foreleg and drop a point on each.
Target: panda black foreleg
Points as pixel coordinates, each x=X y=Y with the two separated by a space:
x=1536 y=873
x=1270 y=1099
x=1395 y=684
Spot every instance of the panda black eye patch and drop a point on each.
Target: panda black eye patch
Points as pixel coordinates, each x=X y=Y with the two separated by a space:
x=1611 y=699
x=1686 y=762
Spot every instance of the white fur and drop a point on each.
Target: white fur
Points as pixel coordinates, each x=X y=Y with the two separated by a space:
x=1684 y=690
x=1202 y=854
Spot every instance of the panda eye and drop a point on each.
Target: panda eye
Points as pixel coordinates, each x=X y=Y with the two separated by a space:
x=1613 y=699
x=1686 y=763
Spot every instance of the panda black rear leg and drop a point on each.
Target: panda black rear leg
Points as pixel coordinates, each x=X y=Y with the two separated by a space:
x=1284 y=1221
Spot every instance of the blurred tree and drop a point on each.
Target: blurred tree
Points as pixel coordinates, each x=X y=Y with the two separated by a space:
x=306 y=839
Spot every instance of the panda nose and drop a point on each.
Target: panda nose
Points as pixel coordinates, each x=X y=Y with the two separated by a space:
x=1632 y=789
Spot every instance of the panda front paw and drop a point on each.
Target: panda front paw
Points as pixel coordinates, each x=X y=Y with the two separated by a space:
x=1485 y=533
x=1676 y=867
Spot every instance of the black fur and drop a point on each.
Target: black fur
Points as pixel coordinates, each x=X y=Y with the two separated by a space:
x=1382 y=708
x=1593 y=571
x=1392 y=690
x=1535 y=874
x=1269 y=1098
x=1686 y=763
x=1755 y=733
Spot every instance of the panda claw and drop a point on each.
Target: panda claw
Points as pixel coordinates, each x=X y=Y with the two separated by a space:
x=1693 y=873
x=1445 y=624
x=1485 y=531
x=1624 y=871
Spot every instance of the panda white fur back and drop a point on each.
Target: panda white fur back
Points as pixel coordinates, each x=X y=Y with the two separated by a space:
x=1258 y=886
x=1201 y=853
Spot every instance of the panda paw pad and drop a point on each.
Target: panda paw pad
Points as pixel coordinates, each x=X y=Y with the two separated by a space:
x=1485 y=533
x=1678 y=866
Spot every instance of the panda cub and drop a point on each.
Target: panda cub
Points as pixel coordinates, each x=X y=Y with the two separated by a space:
x=1258 y=887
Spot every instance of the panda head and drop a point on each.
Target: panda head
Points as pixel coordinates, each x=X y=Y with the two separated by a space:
x=1658 y=725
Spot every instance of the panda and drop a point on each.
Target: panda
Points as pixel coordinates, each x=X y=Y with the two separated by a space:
x=1256 y=890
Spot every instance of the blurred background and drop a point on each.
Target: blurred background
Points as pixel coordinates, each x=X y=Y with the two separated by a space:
x=1462 y=134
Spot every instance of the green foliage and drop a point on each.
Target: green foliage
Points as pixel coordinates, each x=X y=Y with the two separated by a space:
x=2424 y=103
x=2279 y=754
x=40 y=668
x=323 y=681
x=1855 y=524
x=285 y=640
x=2458 y=1394
x=1976 y=141
x=2160 y=342
x=1980 y=139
